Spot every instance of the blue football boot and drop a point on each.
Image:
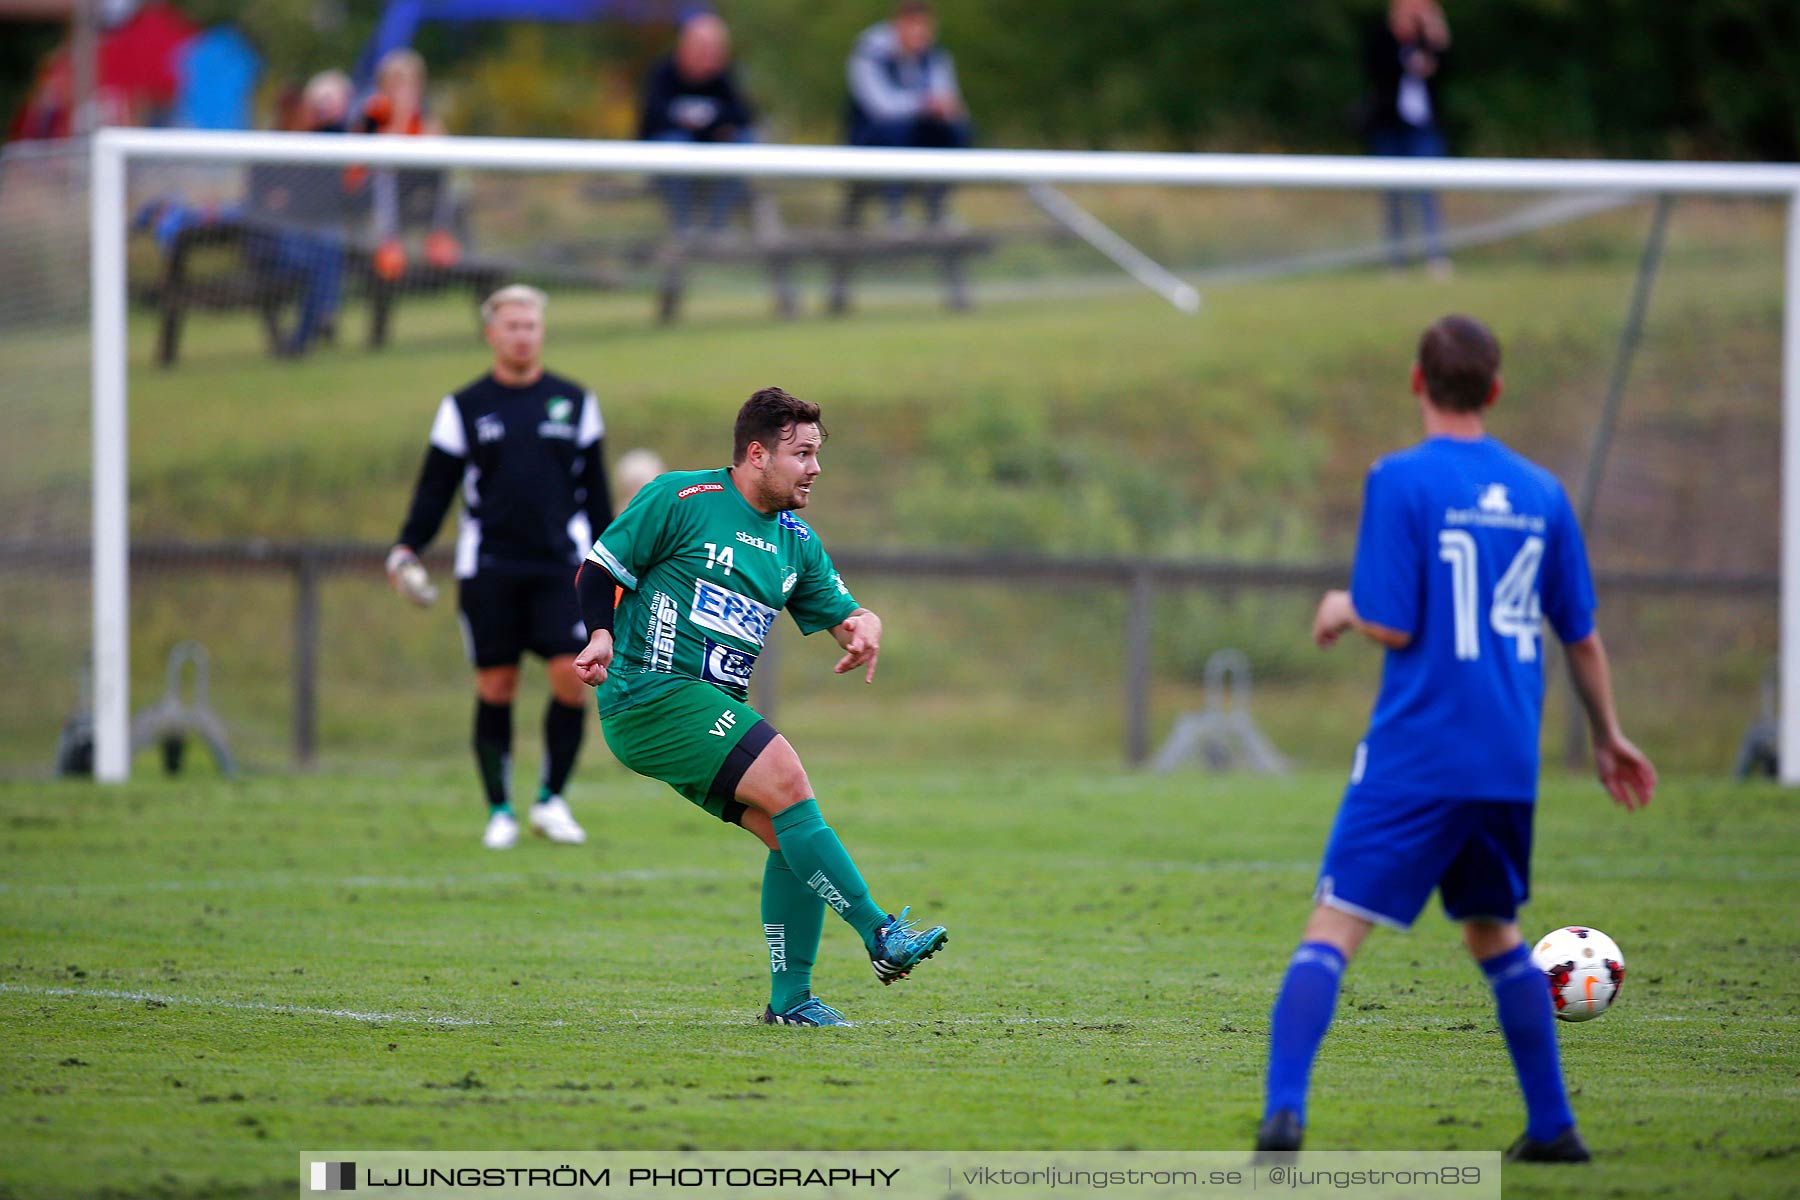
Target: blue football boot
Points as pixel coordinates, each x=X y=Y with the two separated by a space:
x=899 y=947
x=811 y=1011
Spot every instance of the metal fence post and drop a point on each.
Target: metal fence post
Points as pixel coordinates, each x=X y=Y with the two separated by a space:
x=1137 y=669
x=306 y=657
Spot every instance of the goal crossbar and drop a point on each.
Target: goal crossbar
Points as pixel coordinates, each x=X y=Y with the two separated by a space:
x=112 y=150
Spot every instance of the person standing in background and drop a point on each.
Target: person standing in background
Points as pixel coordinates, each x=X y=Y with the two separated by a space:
x=525 y=451
x=1404 y=59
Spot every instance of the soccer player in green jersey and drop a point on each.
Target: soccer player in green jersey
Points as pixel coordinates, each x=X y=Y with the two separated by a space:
x=679 y=595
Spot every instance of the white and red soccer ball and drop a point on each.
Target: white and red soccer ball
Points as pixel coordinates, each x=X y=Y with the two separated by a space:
x=1585 y=970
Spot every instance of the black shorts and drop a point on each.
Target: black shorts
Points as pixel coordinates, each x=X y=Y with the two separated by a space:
x=503 y=615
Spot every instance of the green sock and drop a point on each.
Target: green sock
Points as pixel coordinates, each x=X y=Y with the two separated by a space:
x=822 y=866
x=793 y=919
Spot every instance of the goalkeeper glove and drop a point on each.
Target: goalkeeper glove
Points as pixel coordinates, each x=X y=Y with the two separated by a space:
x=409 y=576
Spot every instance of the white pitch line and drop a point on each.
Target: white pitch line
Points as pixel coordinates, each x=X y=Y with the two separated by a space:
x=277 y=882
x=298 y=1010
x=373 y=882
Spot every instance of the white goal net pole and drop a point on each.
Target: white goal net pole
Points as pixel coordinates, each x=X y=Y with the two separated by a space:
x=114 y=149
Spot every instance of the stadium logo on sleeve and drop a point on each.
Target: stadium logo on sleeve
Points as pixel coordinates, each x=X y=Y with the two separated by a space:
x=790 y=521
x=724 y=611
x=725 y=665
x=697 y=488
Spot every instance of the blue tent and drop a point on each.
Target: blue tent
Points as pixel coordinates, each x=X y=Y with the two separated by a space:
x=217 y=70
x=402 y=18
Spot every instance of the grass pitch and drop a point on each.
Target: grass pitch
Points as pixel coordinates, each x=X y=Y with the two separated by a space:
x=201 y=979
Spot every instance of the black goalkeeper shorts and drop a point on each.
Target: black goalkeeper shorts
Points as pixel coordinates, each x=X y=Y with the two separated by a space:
x=503 y=615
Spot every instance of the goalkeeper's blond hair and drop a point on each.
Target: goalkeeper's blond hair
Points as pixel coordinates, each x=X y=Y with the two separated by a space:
x=515 y=293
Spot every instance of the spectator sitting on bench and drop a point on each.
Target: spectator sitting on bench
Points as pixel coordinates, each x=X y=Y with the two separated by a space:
x=903 y=92
x=300 y=213
x=691 y=96
x=398 y=106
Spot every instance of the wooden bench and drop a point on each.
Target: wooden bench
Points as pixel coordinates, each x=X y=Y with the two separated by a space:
x=778 y=249
x=243 y=284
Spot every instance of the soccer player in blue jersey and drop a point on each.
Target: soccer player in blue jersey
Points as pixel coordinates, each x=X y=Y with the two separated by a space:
x=1465 y=547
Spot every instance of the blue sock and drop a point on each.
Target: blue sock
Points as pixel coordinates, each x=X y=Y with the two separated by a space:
x=1298 y=1024
x=1523 y=1002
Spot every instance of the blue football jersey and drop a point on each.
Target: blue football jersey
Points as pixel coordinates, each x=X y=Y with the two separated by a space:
x=1467 y=546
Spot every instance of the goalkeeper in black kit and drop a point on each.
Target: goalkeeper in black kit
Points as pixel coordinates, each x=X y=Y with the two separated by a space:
x=525 y=449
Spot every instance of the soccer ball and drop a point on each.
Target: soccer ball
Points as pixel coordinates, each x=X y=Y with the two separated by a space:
x=1585 y=970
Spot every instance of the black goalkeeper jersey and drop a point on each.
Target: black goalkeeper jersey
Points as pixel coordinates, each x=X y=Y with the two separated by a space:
x=530 y=465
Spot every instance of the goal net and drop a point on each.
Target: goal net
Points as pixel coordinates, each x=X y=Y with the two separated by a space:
x=1097 y=422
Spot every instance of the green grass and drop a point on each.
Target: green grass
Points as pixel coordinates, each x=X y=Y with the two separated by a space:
x=1102 y=423
x=1116 y=943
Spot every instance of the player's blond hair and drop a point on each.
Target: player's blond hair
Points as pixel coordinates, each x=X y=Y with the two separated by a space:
x=514 y=293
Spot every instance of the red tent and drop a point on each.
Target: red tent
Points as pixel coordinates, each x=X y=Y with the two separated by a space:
x=136 y=81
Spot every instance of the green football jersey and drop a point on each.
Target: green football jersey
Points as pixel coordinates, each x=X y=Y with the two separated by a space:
x=704 y=575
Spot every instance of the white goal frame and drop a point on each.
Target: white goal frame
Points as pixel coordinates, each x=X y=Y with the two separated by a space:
x=114 y=150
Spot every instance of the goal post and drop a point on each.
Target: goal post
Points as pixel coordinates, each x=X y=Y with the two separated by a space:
x=114 y=150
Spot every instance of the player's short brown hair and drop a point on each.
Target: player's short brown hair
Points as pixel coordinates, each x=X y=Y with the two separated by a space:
x=1460 y=358
x=767 y=416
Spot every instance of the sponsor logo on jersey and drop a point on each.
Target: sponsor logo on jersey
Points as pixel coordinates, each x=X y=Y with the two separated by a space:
x=561 y=424
x=1483 y=517
x=726 y=720
x=750 y=539
x=790 y=521
x=659 y=649
x=726 y=665
x=838 y=581
x=1493 y=501
x=695 y=489
x=489 y=428
x=789 y=580
x=724 y=611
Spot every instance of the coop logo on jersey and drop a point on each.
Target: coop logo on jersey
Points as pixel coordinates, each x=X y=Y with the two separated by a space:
x=790 y=521
x=696 y=489
x=561 y=424
x=489 y=428
x=1494 y=501
x=725 y=665
x=724 y=611
x=659 y=653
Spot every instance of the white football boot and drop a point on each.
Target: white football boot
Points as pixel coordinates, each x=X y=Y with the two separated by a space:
x=502 y=832
x=552 y=819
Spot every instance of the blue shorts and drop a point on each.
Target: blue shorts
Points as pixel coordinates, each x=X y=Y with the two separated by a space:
x=1386 y=855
